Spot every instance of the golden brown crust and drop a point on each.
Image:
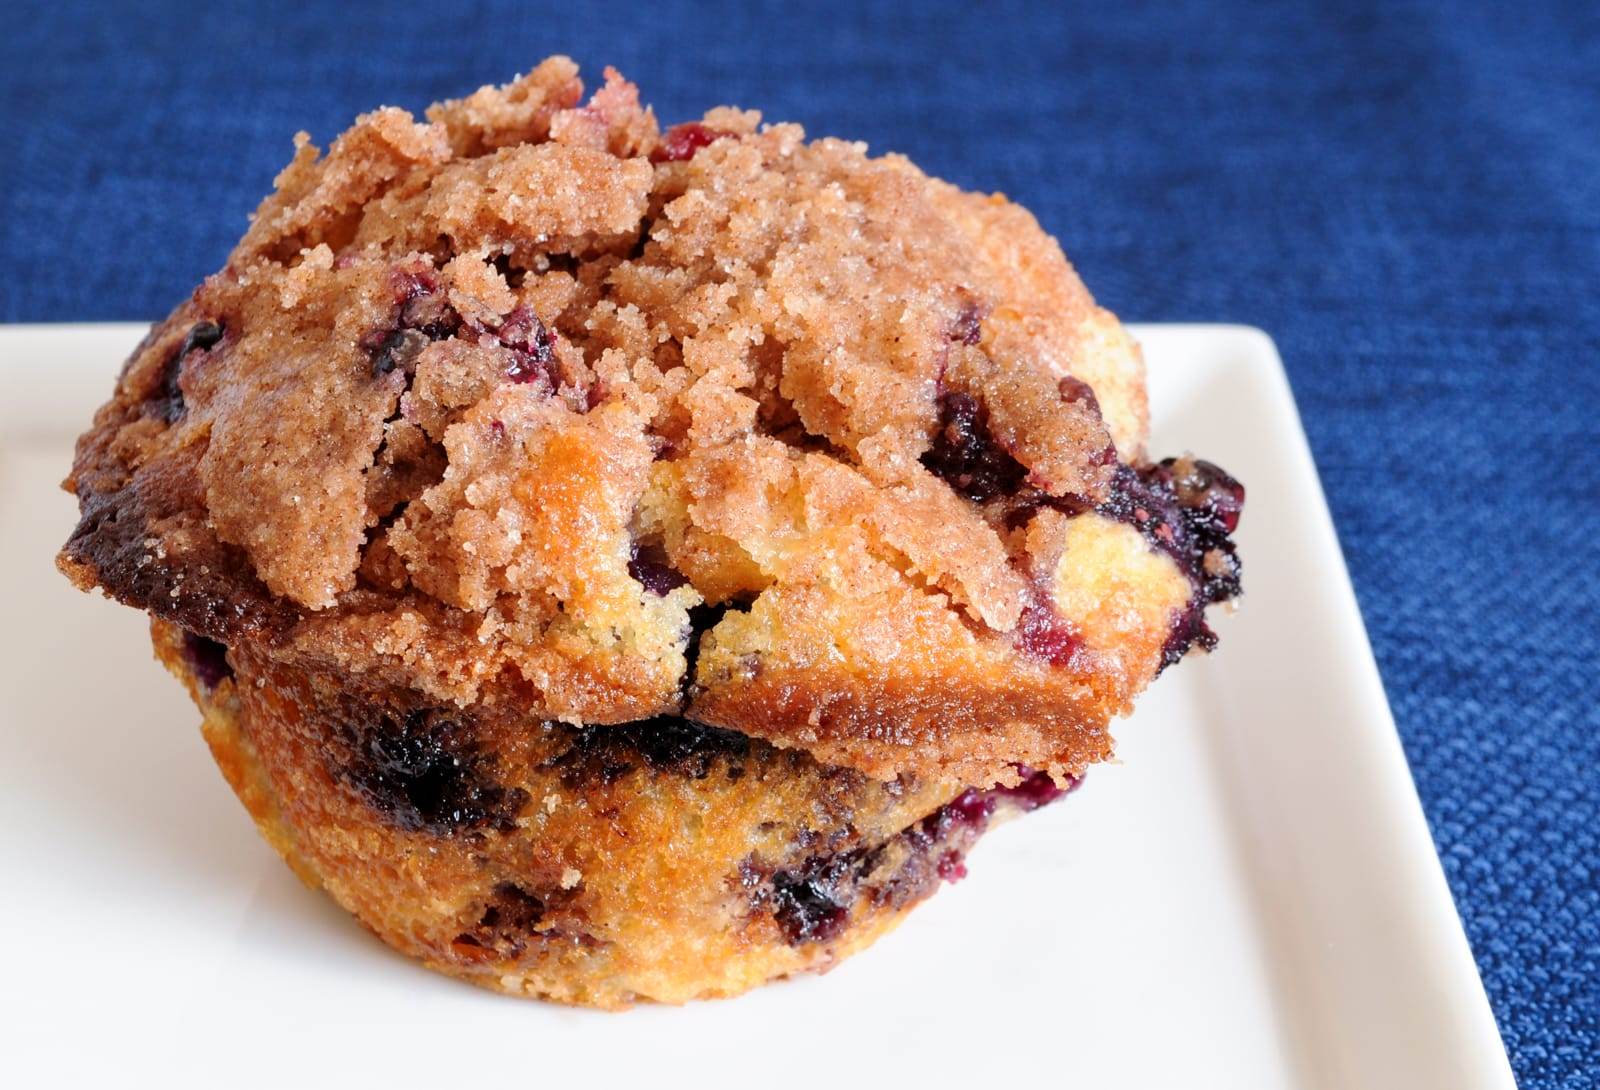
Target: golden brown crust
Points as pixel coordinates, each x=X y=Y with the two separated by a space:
x=880 y=724
x=588 y=868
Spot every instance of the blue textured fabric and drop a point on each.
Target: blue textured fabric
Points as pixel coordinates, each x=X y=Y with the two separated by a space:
x=1406 y=197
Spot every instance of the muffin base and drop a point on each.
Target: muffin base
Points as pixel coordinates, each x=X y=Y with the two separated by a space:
x=662 y=861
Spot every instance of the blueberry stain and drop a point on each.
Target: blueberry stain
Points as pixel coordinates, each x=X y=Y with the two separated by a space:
x=207 y=660
x=966 y=456
x=168 y=402
x=425 y=774
x=682 y=141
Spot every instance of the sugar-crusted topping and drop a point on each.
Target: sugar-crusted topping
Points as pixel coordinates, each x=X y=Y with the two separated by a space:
x=495 y=400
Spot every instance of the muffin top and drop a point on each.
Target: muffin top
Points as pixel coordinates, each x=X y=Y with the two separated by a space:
x=536 y=410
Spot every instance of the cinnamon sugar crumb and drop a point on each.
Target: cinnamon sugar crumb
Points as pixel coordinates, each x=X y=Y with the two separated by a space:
x=472 y=368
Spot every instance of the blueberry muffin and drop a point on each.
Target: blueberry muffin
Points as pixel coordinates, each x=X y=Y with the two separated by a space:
x=630 y=564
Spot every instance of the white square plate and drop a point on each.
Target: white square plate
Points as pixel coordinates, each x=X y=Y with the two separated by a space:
x=1250 y=899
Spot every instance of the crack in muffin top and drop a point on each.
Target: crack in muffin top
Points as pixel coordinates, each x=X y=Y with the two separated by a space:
x=533 y=407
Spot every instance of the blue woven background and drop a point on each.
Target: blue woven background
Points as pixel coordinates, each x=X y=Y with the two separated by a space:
x=1406 y=197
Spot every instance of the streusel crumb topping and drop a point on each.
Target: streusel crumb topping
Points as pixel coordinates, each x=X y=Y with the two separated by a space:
x=533 y=407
